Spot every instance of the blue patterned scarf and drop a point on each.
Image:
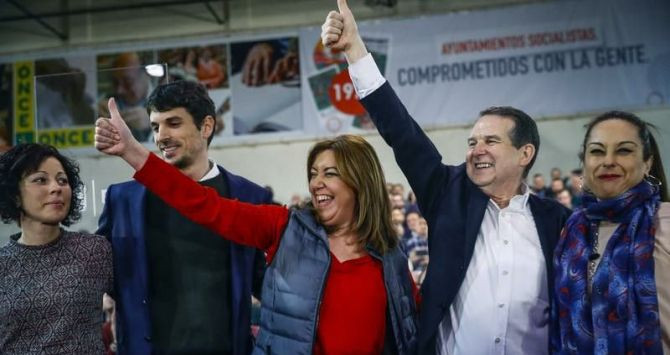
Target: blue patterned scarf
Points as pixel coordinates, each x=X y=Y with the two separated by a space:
x=621 y=314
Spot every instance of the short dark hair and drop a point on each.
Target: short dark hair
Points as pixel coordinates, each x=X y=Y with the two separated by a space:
x=190 y=95
x=524 y=131
x=649 y=145
x=24 y=159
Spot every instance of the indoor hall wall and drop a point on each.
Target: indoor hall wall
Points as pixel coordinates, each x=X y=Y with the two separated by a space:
x=282 y=164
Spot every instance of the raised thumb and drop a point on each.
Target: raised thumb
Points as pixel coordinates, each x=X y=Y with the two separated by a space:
x=342 y=6
x=114 y=110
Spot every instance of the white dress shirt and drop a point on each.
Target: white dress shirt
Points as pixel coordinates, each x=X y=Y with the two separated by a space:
x=502 y=306
x=212 y=172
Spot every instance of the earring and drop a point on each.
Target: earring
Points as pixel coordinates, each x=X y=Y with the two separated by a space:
x=653 y=180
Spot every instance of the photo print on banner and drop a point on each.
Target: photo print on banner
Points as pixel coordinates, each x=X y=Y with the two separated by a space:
x=207 y=65
x=129 y=79
x=332 y=92
x=64 y=107
x=265 y=82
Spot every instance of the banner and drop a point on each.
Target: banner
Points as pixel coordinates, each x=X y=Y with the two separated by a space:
x=547 y=59
x=24 y=122
x=65 y=90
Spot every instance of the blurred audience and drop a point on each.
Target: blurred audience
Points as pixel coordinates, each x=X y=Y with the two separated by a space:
x=539 y=187
x=557 y=185
x=576 y=187
x=564 y=197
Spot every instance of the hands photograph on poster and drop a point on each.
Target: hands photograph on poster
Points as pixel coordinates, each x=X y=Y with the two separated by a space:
x=265 y=83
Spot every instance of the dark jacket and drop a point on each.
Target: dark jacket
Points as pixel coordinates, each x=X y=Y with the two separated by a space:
x=123 y=223
x=453 y=207
x=293 y=288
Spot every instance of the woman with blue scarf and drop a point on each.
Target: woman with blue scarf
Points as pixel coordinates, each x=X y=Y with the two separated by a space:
x=612 y=263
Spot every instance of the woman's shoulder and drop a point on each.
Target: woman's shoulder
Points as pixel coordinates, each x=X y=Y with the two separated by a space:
x=664 y=211
x=663 y=226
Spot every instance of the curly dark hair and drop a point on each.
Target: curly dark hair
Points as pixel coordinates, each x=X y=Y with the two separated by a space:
x=24 y=159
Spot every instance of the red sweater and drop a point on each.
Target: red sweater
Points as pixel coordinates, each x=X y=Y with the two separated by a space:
x=352 y=315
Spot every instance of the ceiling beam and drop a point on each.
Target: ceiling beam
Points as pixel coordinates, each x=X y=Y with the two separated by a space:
x=31 y=16
x=92 y=10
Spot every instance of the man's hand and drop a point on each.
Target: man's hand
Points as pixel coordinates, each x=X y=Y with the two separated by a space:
x=113 y=137
x=340 y=32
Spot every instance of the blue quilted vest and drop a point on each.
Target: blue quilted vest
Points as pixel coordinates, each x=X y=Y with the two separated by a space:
x=294 y=284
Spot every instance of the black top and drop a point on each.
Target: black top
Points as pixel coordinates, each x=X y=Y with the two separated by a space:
x=189 y=281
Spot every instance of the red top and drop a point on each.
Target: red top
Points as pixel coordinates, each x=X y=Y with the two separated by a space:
x=352 y=315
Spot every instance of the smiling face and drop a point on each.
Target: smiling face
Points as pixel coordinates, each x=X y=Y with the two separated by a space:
x=45 y=194
x=332 y=198
x=492 y=161
x=178 y=138
x=613 y=159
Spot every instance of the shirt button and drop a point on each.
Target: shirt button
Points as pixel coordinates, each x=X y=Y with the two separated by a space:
x=147 y=338
x=501 y=305
x=505 y=242
x=505 y=272
x=497 y=340
x=144 y=301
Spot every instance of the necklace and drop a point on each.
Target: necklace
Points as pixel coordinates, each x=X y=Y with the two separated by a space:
x=594 y=256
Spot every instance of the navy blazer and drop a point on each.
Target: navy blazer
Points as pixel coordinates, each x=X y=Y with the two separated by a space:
x=123 y=222
x=453 y=207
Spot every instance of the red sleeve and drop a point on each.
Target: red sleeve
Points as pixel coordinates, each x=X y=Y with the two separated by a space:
x=258 y=226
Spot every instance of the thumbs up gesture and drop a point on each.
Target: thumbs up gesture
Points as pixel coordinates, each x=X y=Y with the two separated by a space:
x=340 y=32
x=112 y=134
x=113 y=137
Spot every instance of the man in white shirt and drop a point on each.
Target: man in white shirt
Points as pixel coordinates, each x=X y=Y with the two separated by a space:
x=491 y=241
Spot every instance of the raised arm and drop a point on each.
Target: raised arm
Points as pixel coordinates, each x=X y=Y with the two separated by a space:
x=415 y=154
x=259 y=226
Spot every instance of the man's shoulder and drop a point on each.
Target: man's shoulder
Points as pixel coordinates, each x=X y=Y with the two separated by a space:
x=126 y=189
x=549 y=207
x=243 y=187
x=123 y=184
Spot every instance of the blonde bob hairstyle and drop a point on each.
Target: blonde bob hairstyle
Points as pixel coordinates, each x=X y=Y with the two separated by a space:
x=361 y=170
